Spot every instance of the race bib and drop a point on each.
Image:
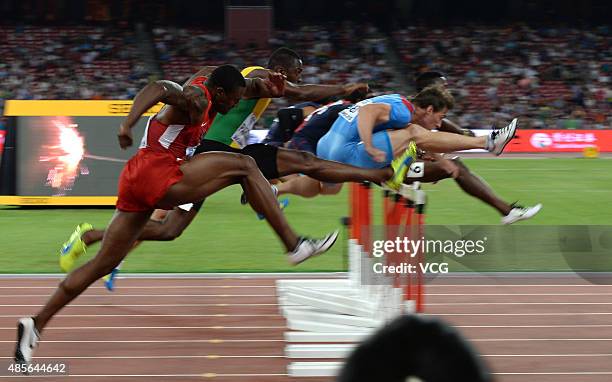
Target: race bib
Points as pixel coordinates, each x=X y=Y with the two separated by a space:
x=350 y=113
x=241 y=135
x=417 y=169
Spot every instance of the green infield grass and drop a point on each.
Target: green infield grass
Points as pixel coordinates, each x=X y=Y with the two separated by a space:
x=227 y=237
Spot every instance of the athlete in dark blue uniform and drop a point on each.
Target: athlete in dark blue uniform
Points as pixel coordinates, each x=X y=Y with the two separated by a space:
x=315 y=126
x=286 y=122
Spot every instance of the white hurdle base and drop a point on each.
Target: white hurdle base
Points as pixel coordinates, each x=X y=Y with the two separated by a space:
x=314 y=369
x=319 y=351
x=313 y=337
x=327 y=318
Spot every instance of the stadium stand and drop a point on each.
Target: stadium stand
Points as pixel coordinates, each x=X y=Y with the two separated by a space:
x=556 y=77
x=495 y=72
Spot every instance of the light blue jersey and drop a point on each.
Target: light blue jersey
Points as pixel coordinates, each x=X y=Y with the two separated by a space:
x=343 y=144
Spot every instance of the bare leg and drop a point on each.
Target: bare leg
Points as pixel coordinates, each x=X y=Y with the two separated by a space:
x=163 y=226
x=439 y=142
x=295 y=161
x=308 y=187
x=199 y=182
x=469 y=182
x=474 y=185
x=119 y=238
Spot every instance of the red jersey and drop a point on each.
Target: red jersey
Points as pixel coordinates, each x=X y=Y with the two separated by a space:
x=149 y=174
x=180 y=140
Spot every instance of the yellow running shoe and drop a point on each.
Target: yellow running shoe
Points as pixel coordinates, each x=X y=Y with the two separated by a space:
x=400 y=166
x=74 y=247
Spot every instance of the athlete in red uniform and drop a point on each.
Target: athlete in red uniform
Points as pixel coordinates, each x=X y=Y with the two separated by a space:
x=161 y=175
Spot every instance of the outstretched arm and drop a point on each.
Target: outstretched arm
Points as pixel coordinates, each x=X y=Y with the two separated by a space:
x=271 y=86
x=190 y=100
x=368 y=117
x=309 y=92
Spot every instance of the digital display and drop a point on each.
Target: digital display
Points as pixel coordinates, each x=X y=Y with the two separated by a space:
x=71 y=156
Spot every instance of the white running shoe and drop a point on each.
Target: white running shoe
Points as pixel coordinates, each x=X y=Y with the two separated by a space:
x=308 y=248
x=521 y=213
x=498 y=139
x=27 y=340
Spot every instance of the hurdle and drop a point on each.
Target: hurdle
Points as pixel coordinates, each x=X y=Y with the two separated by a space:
x=327 y=318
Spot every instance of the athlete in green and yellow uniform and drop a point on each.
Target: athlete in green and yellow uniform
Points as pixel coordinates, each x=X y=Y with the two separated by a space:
x=233 y=128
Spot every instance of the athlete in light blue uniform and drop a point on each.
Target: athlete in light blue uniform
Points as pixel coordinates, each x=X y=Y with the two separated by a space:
x=343 y=142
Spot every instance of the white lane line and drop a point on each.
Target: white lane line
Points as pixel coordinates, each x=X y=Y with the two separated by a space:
x=282 y=327
x=514 y=303
x=138 y=305
x=512 y=294
x=538 y=339
x=149 y=287
x=203 y=375
x=545 y=355
x=217 y=356
x=220 y=341
x=199 y=276
x=145 y=295
x=531 y=326
x=209 y=356
x=518 y=285
x=216 y=327
x=210 y=341
x=274 y=295
x=561 y=373
x=151 y=315
x=520 y=314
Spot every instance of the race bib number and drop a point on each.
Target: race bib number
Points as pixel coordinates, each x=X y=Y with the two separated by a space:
x=417 y=169
x=241 y=135
x=350 y=113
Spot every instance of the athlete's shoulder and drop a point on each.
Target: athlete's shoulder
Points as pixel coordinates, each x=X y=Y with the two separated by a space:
x=253 y=71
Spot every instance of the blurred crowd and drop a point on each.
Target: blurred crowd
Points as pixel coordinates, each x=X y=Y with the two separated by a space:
x=74 y=62
x=332 y=54
x=552 y=77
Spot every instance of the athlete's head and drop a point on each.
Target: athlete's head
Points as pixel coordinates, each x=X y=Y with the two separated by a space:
x=429 y=78
x=288 y=63
x=227 y=86
x=432 y=104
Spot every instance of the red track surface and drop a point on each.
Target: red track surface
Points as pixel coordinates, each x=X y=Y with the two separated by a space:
x=554 y=329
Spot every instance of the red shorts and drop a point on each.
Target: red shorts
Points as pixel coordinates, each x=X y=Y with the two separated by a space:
x=145 y=179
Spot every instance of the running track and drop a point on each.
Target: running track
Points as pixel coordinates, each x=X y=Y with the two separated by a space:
x=553 y=328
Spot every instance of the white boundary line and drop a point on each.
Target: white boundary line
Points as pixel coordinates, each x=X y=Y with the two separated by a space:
x=188 y=275
x=143 y=305
x=520 y=314
x=143 y=295
x=217 y=356
x=561 y=373
x=222 y=315
x=513 y=303
x=210 y=341
x=256 y=275
x=203 y=375
x=208 y=356
x=215 y=327
x=149 y=287
x=115 y=295
x=519 y=294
